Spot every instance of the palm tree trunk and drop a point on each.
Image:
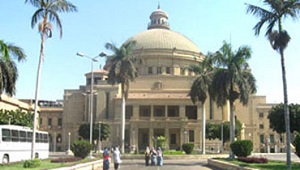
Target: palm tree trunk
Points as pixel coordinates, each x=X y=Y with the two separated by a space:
x=203 y=127
x=123 y=121
x=41 y=59
x=232 y=128
x=286 y=112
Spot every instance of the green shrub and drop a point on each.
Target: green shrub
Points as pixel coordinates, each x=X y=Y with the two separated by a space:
x=161 y=142
x=81 y=148
x=173 y=152
x=34 y=163
x=297 y=144
x=242 y=148
x=188 y=148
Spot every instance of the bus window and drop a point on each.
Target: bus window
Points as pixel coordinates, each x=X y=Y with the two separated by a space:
x=14 y=135
x=22 y=136
x=29 y=137
x=45 y=138
x=5 y=135
x=37 y=137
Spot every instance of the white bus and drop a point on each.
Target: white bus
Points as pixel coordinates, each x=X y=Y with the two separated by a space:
x=15 y=143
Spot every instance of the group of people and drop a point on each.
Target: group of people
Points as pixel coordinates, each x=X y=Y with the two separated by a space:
x=155 y=156
x=116 y=158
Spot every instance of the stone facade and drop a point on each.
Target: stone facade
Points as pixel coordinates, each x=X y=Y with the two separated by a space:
x=158 y=103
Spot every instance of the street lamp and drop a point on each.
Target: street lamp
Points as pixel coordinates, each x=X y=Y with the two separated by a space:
x=93 y=59
x=100 y=137
x=69 y=152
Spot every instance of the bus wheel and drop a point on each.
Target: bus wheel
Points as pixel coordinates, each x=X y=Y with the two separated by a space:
x=36 y=155
x=5 y=159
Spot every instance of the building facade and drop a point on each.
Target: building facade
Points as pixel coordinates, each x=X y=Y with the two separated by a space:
x=158 y=102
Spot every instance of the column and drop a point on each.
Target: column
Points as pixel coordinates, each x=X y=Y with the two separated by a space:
x=182 y=112
x=167 y=135
x=135 y=112
x=151 y=112
x=150 y=137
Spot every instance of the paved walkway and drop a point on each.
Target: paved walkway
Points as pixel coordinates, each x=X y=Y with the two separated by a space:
x=139 y=164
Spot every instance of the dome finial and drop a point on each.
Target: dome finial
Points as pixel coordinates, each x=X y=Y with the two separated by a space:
x=158 y=7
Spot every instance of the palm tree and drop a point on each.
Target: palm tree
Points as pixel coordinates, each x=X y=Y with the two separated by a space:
x=279 y=39
x=47 y=13
x=232 y=80
x=121 y=71
x=8 y=68
x=200 y=89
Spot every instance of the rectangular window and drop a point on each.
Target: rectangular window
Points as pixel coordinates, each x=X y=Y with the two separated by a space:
x=261 y=115
x=168 y=70
x=158 y=71
x=29 y=136
x=272 y=139
x=191 y=112
x=262 y=139
x=150 y=70
x=145 y=111
x=191 y=136
x=14 y=135
x=45 y=138
x=129 y=112
x=261 y=126
x=22 y=136
x=49 y=121
x=159 y=111
x=6 y=135
x=59 y=122
x=173 y=139
x=173 y=111
x=41 y=121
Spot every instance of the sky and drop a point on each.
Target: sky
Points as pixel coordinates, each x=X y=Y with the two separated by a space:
x=207 y=23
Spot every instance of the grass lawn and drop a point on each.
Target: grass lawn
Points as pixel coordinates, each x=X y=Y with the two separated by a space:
x=45 y=164
x=267 y=166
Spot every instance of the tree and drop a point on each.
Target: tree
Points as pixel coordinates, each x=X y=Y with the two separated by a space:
x=200 y=88
x=84 y=131
x=17 y=117
x=47 y=13
x=279 y=39
x=214 y=131
x=121 y=70
x=8 y=68
x=277 y=121
x=232 y=80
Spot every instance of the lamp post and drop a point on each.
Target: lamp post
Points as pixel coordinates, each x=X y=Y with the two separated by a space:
x=93 y=59
x=69 y=152
x=100 y=137
x=9 y=119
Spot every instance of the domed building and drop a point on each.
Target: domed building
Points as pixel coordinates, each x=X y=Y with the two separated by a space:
x=158 y=103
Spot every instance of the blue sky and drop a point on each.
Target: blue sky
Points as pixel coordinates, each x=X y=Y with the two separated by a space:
x=207 y=23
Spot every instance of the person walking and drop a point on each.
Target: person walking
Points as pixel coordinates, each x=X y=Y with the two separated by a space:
x=153 y=156
x=159 y=156
x=117 y=158
x=147 y=156
x=105 y=159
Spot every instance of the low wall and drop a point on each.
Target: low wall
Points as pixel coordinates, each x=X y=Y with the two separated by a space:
x=94 y=165
x=226 y=165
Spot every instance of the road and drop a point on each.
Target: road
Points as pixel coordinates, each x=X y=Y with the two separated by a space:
x=138 y=164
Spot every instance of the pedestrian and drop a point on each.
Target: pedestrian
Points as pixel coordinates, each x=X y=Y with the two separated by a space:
x=105 y=159
x=117 y=158
x=159 y=156
x=153 y=156
x=147 y=156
